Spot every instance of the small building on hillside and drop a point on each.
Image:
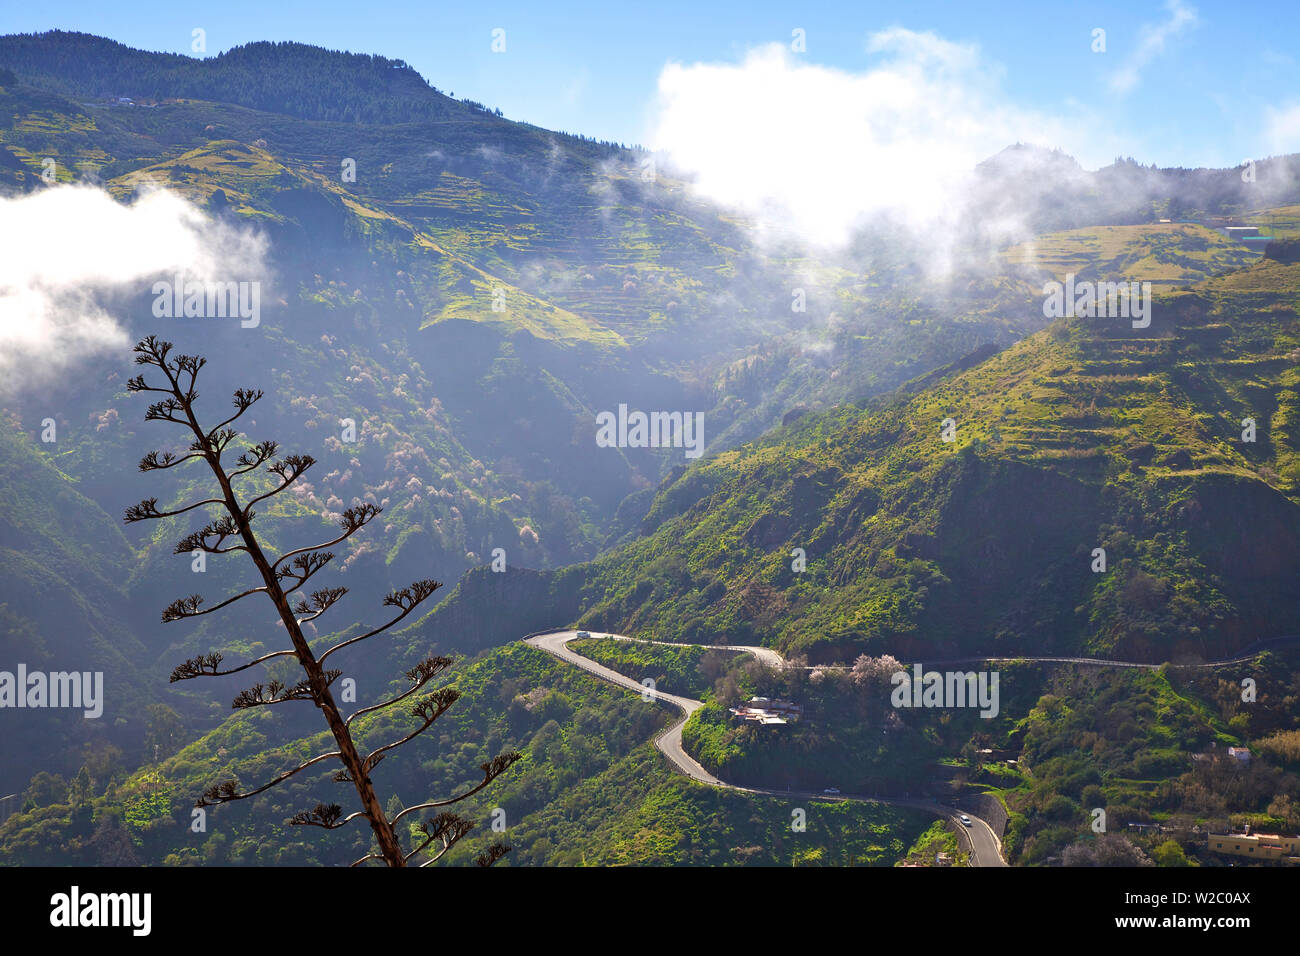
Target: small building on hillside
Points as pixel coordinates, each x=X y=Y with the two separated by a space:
x=1256 y=846
x=1239 y=754
x=997 y=755
x=765 y=711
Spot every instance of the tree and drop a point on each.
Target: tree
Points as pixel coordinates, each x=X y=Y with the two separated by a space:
x=1170 y=853
x=82 y=789
x=875 y=672
x=111 y=842
x=726 y=690
x=1285 y=810
x=45 y=790
x=281 y=577
x=218 y=202
x=104 y=763
x=163 y=733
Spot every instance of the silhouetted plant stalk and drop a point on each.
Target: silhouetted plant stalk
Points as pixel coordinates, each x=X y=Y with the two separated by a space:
x=282 y=577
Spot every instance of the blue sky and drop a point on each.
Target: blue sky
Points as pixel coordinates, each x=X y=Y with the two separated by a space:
x=1220 y=88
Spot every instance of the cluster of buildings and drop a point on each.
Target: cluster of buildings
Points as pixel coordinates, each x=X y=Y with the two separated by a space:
x=765 y=710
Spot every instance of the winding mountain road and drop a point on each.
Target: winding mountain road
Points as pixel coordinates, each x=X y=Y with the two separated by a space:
x=985 y=847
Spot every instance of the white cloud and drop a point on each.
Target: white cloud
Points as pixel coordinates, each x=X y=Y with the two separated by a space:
x=69 y=254
x=1151 y=43
x=815 y=150
x=1282 y=129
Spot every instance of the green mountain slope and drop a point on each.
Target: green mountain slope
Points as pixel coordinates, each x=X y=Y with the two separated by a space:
x=64 y=608
x=475 y=431
x=1090 y=434
x=291 y=78
x=590 y=789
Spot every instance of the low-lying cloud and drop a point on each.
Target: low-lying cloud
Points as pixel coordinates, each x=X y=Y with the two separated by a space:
x=70 y=256
x=815 y=151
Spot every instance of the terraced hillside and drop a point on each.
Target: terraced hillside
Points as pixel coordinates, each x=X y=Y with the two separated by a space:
x=1166 y=255
x=1088 y=435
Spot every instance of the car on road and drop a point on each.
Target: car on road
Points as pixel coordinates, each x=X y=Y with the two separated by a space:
x=965 y=820
x=830 y=790
x=584 y=634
